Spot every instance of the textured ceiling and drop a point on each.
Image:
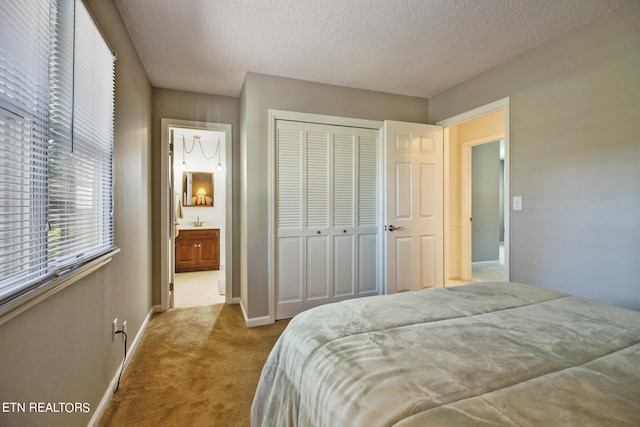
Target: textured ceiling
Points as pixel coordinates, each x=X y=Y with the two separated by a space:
x=409 y=47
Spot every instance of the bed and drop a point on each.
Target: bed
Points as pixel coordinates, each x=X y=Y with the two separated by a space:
x=479 y=354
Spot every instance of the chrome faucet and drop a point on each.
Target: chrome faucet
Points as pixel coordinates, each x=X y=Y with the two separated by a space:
x=197 y=222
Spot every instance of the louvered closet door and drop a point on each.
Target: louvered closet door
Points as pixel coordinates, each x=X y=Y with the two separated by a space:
x=326 y=220
x=289 y=212
x=343 y=231
x=318 y=261
x=368 y=282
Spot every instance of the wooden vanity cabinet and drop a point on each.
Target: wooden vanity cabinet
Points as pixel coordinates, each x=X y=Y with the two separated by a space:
x=198 y=250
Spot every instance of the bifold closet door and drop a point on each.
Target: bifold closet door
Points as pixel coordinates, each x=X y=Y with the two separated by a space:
x=316 y=150
x=289 y=213
x=326 y=219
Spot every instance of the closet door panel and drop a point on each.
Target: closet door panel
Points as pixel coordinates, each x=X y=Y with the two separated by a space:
x=317 y=190
x=318 y=272
x=289 y=269
x=289 y=264
x=367 y=214
x=343 y=181
x=367 y=175
x=317 y=178
x=367 y=265
x=289 y=176
x=343 y=266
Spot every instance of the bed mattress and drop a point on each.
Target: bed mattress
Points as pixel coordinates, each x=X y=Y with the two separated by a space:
x=479 y=354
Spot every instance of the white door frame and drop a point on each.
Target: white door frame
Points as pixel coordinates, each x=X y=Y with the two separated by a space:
x=320 y=119
x=165 y=217
x=501 y=104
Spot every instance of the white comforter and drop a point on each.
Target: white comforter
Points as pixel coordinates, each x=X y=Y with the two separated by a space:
x=481 y=354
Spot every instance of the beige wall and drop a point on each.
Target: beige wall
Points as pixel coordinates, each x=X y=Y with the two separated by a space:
x=575 y=151
x=179 y=105
x=488 y=126
x=261 y=93
x=61 y=349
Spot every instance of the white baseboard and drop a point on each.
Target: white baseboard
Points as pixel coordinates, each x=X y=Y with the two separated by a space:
x=254 y=321
x=108 y=394
x=481 y=263
x=258 y=321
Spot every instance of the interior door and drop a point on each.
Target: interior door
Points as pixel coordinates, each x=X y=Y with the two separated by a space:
x=414 y=232
x=173 y=223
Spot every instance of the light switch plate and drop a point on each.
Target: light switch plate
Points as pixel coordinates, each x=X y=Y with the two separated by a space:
x=517 y=203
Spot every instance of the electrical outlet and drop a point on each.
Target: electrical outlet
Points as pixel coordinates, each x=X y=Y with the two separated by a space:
x=124 y=329
x=517 y=203
x=114 y=328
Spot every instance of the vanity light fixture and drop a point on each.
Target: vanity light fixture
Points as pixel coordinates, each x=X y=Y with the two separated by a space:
x=186 y=151
x=219 y=168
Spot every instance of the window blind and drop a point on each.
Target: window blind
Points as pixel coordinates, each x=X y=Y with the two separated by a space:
x=81 y=147
x=24 y=92
x=56 y=139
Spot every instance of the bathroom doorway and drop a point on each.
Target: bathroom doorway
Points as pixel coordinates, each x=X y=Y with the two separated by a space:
x=199 y=183
x=197 y=241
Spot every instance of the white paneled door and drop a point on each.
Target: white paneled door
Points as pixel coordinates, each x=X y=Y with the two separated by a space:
x=414 y=212
x=327 y=192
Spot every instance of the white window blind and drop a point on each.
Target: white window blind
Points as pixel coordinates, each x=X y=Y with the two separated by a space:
x=56 y=139
x=24 y=93
x=81 y=146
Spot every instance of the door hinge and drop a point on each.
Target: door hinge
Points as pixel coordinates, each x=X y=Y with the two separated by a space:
x=171 y=149
x=171 y=287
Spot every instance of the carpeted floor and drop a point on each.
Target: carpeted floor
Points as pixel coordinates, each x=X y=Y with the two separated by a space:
x=195 y=366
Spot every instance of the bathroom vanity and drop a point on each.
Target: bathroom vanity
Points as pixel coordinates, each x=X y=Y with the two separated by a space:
x=197 y=250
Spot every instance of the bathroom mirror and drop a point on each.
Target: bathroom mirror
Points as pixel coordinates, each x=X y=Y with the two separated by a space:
x=197 y=189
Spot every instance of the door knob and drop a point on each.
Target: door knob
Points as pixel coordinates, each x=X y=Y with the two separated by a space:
x=394 y=228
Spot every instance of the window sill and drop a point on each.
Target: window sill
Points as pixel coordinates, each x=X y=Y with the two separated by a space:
x=24 y=302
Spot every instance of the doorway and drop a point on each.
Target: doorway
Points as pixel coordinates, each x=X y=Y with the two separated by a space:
x=477 y=128
x=196 y=172
x=198 y=167
x=487 y=225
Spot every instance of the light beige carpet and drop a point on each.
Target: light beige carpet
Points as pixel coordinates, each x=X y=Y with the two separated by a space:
x=195 y=366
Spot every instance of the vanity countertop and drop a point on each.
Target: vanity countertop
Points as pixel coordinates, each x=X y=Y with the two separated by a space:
x=193 y=227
